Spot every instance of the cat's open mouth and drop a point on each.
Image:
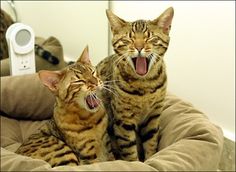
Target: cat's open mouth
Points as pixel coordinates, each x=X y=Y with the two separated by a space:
x=141 y=65
x=92 y=101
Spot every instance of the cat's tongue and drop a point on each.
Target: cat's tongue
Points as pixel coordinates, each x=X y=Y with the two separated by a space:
x=92 y=102
x=141 y=65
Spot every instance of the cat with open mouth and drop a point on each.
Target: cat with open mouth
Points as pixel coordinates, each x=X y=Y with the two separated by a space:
x=77 y=133
x=137 y=75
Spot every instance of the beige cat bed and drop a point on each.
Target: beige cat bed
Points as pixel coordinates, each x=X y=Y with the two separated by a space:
x=189 y=141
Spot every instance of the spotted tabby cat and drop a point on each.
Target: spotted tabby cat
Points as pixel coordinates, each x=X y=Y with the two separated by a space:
x=77 y=133
x=137 y=77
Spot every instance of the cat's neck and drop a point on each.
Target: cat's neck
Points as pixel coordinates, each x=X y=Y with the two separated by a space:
x=71 y=114
x=71 y=121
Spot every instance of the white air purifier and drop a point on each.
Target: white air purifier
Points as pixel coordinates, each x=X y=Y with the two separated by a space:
x=20 y=39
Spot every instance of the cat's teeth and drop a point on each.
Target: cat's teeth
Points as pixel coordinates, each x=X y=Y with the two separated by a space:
x=92 y=101
x=131 y=62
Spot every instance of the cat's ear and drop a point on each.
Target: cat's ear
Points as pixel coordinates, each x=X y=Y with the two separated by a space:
x=164 y=20
x=50 y=79
x=84 y=58
x=116 y=23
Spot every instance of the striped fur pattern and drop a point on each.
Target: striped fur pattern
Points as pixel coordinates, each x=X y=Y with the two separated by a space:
x=137 y=80
x=48 y=148
x=77 y=133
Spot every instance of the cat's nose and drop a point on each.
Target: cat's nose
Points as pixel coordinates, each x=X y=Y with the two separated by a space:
x=139 y=47
x=139 y=51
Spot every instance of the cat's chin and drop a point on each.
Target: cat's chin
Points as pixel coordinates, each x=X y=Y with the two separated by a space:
x=94 y=110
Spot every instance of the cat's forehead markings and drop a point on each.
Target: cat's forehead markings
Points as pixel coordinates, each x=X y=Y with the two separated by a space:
x=78 y=68
x=139 y=26
x=75 y=69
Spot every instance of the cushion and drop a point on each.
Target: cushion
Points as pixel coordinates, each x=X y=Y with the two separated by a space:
x=25 y=97
x=189 y=140
x=15 y=132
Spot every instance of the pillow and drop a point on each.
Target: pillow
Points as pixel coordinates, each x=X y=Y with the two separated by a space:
x=25 y=97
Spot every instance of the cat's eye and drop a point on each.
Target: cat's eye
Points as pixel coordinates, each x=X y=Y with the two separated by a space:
x=154 y=41
x=126 y=41
x=79 y=81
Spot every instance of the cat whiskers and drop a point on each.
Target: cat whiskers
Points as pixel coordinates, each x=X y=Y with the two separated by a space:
x=119 y=59
x=90 y=93
x=105 y=82
x=95 y=97
x=110 y=89
x=155 y=56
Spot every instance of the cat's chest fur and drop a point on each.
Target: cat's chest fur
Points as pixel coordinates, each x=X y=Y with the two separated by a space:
x=135 y=97
x=141 y=105
x=73 y=121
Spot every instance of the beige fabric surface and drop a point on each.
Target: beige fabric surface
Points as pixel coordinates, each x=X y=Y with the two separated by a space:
x=15 y=132
x=189 y=141
x=25 y=97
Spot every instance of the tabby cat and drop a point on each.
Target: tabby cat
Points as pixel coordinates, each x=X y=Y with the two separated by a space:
x=138 y=81
x=77 y=133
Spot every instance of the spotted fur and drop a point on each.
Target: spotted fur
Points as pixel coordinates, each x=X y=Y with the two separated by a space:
x=77 y=133
x=137 y=89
